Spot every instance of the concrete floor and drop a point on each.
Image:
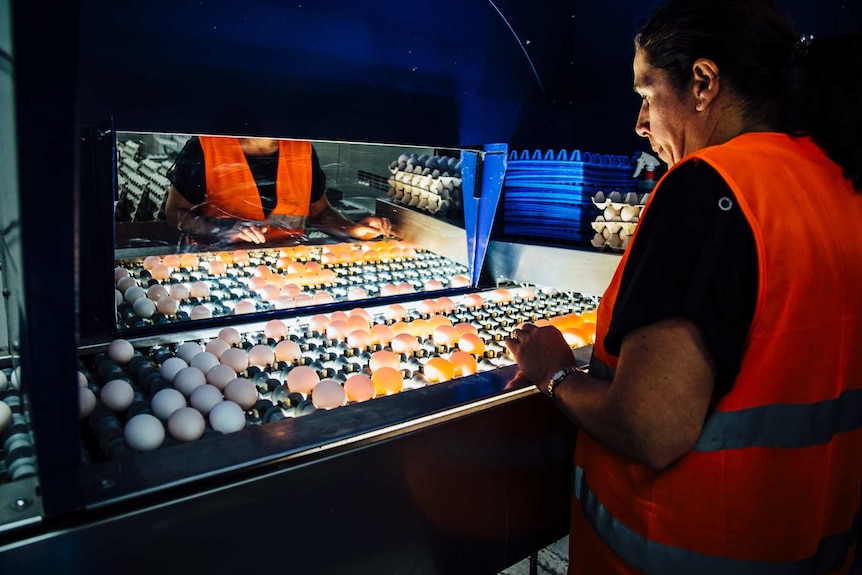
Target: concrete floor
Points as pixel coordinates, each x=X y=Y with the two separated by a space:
x=552 y=560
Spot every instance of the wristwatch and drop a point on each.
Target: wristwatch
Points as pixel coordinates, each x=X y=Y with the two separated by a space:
x=558 y=377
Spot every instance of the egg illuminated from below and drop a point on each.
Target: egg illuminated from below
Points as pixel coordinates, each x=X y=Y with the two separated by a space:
x=387 y=381
x=302 y=379
x=359 y=387
x=261 y=356
x=287 y=350
x=328 y=394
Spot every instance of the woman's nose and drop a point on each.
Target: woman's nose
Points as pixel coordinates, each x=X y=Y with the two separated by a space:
x=642 y=123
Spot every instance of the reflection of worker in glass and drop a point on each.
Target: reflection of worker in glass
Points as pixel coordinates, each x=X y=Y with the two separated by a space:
x=233 y=190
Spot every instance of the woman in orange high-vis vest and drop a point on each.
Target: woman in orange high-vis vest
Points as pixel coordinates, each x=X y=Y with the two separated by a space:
x=228 y=190
x=720 y=421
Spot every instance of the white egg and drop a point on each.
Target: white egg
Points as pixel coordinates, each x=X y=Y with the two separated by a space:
x=186 y=424
x=86 y=402
x=205 y=397
x=204 y=361
x=5 y=416
x=628 y=213
x=242 y=392
x=144 y=432
x=188 y=379
x=134 y=293
x=227 y=417
x=82 y=380
x=144 y=307
x=166 y=401
x=188 y=350
x=611 y=213
x=3 y=381
x=120 y=351
x=124 y=283
x=117 y=394
x=118 y=297
x=171 y=367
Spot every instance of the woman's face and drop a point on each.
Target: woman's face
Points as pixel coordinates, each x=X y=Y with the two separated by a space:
x=666 y=118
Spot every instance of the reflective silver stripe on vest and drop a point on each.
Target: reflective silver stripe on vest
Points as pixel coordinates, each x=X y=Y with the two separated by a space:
x=660 y=559
x=782 y=426
x=778 y=425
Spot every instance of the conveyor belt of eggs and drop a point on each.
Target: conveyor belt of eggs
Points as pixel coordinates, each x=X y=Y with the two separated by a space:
x=618 y=219
x=176 y=287
x=150 y=398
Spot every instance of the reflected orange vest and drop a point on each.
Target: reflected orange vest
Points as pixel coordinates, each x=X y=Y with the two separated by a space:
x=232 y=191
x=773 y=483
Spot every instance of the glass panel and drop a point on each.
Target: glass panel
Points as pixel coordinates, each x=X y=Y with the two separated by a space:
x=214 y=226
x=19 y=502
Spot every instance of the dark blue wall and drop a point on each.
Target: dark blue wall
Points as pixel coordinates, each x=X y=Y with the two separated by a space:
x=537 y=74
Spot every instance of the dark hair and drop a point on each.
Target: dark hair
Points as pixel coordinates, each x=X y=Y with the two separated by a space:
x=793 y=84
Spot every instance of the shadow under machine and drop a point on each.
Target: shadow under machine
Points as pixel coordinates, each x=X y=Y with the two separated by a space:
x=329 y=404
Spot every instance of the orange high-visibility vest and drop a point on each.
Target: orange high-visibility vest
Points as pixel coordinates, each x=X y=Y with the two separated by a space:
x=232 y=191
x=773 y=483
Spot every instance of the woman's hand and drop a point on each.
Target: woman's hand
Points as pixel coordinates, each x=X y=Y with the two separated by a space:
x=371 y=227
x=250 y=232
x=539 y=351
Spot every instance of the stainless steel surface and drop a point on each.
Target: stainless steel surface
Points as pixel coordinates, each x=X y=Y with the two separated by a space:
x=435 y=235
x=20 y=505
x=565 y=269
x=472 y=494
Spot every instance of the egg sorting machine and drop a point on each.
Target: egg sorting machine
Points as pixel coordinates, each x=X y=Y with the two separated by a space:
x=464 y=475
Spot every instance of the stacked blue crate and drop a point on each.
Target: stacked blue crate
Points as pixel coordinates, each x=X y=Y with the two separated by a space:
x=547 y=195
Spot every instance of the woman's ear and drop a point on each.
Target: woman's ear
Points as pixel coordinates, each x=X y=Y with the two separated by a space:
x=705 y=83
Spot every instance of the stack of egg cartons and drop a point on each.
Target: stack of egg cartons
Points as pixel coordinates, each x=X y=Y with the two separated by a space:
x=428 y=183
x=619 y=217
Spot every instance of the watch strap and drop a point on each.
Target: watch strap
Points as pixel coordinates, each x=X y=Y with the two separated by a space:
x=558 y=377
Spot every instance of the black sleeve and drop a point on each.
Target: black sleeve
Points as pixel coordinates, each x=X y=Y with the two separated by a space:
x=318 y=178
x=188 y=174
x=694 y=257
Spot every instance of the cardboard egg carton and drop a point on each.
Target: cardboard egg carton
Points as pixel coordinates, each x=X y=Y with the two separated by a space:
x=618 y=220
x=429 y=183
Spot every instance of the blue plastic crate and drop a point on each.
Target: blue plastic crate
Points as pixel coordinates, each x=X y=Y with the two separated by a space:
x=548 y=194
